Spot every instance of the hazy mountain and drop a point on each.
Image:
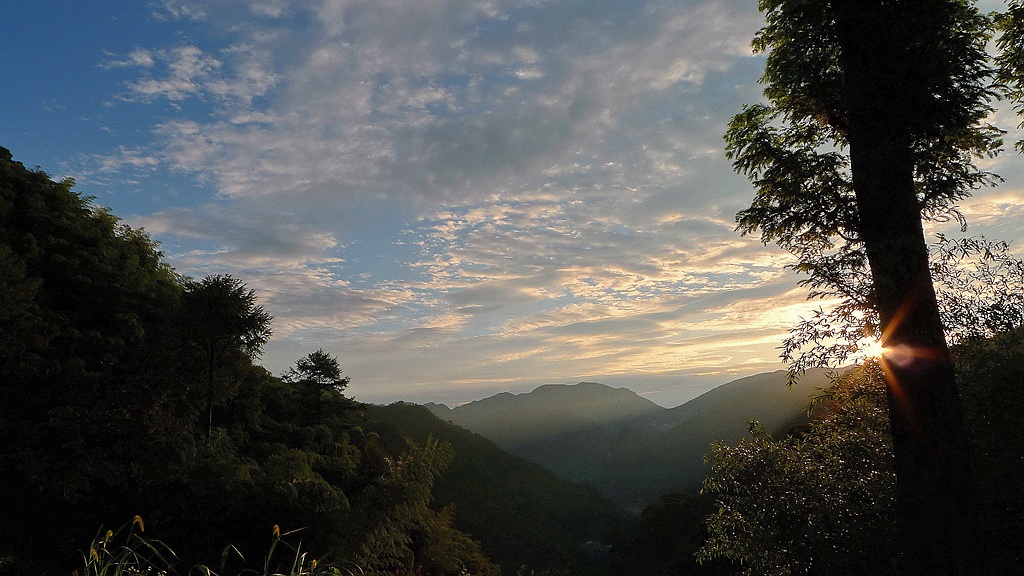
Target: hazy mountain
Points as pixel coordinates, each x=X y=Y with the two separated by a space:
x=551 y=410
x=521 y=513
x=629 y=448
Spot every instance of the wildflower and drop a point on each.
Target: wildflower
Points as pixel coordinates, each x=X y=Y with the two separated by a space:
x=277 y=531
x=138 y=520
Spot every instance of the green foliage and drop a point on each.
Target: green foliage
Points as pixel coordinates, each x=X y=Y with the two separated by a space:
x=819 y=501
x=795 y=148
x=137 y=555
x=979 y=288
x=876 y=113
x=992 y=371
x=90 y=308
x=1010 y=59
x=402 y=533
x=319 y=372
x=221 y=315
x=225 y=328
x=111 y=369
x=816 y=502
x=977 y=283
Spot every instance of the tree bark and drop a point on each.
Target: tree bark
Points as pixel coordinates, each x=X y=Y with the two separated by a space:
x=929 y=440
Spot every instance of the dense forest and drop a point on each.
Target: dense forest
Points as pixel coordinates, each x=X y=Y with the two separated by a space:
x=131 y=392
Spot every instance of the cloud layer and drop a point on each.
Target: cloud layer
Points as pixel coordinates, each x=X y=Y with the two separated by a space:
x=460 y=197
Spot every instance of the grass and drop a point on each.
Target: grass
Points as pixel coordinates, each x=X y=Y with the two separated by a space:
x=126 y=552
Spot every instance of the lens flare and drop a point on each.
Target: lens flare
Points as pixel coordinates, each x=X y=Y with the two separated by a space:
x=873 y=349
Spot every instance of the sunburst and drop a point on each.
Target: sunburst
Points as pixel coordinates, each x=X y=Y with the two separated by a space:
x=873 y=349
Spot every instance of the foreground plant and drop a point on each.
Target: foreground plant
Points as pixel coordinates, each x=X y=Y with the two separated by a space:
x=137 y=555
x=819 y=501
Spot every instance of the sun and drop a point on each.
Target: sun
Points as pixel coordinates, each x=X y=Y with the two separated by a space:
x=873 y=349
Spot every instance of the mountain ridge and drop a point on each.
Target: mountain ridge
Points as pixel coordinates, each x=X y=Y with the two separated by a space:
x=627 y=447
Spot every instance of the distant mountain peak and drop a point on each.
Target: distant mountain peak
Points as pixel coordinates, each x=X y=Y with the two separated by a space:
x=437 y=409
x=622 y=443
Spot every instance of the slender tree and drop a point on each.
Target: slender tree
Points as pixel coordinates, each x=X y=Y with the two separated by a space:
x=876 y=111
x=222 y=320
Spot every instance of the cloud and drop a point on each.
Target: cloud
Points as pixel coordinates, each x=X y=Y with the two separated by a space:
x=457 y=194
x=187 y=68
x=429 y=98
x=138 y=57
x=134 y=158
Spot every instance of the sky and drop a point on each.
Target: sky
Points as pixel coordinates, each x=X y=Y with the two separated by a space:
x=454 y=197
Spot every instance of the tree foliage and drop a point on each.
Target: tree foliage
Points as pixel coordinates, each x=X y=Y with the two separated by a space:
x=819 y=501
x=1010 y=58
x=876 y=112
x=318 y=372
x=111 y=369
x=977 y=283
x=795 y=151
x=224 y=327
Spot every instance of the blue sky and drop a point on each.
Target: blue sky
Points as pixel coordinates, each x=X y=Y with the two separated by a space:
x=454 y=197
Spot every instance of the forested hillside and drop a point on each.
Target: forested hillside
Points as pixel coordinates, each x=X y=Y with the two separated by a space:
x=522 y=514
x=130 y=391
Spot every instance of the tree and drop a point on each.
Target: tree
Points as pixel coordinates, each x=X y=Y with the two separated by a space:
x=876 y=111
x=401 y=534
x=671 y=532
x=977 y=283
x=107 y=356
x=1010 y=59
x=318 y=372
x=85 y=306
x=222 y=322
x=318 y=386
x=818 y=501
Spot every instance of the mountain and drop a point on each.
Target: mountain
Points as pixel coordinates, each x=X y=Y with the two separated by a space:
x=521 y=513
x=627 y=447
x=551 y=410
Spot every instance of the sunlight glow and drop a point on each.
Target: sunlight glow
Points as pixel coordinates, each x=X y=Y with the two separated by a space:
x=873 y=349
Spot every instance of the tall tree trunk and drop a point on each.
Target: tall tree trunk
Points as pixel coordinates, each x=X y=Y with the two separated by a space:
x=211 y=366
x=929 y=440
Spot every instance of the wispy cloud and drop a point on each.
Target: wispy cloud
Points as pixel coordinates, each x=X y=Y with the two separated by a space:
x=458 y=194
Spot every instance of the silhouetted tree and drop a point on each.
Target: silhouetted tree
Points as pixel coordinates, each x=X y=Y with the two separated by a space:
x=319 y=372
x=876 y=111
x=223 y=323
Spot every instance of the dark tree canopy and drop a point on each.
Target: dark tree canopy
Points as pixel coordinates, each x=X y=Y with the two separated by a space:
x=317 y=371
x=796 y=149
x=819 y=501
x=223 y=316
x=224 y=325
x=111 y=367
x=876 y=112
